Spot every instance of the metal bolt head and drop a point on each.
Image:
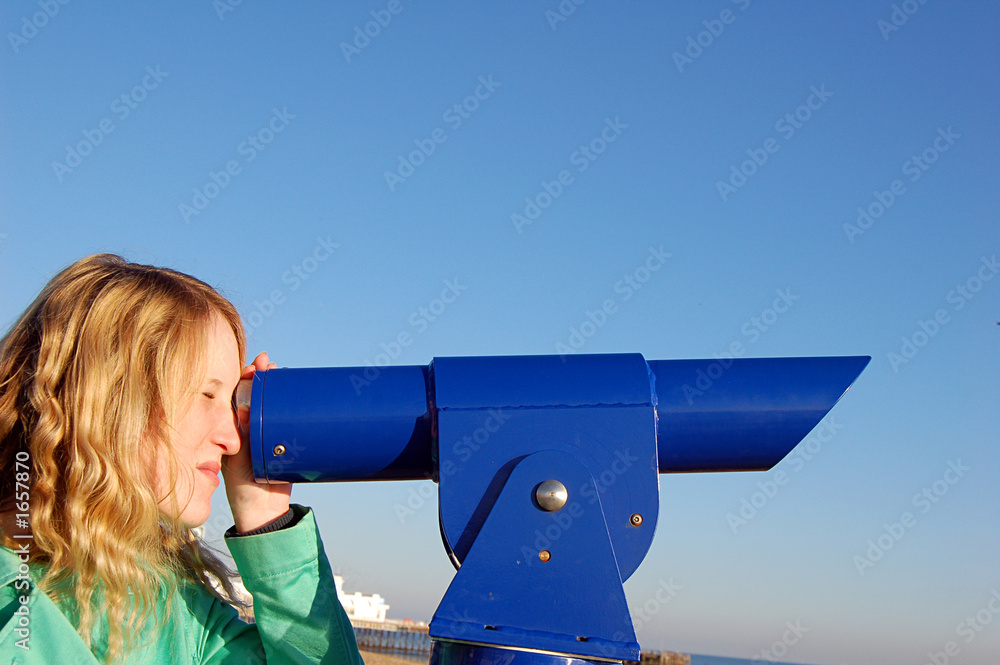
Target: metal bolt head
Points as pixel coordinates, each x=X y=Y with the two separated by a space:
x=635 y=520
x=279 y=449
x=544 y=555
x=551 y=495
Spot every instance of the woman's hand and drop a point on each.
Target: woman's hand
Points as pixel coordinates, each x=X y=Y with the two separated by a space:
x=254 y=504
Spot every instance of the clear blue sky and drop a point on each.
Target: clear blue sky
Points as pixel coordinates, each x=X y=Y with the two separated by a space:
x=328 y=258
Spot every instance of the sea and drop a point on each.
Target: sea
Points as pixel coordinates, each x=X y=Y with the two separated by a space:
x=700 y=659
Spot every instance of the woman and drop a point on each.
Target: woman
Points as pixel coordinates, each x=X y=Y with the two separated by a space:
x=116 y=418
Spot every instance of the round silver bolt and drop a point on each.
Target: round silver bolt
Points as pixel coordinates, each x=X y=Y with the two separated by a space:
x=279 y=449
x=636 y=519
x=551 y=495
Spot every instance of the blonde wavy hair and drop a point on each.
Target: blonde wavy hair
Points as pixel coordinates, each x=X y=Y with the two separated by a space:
x=91 y=376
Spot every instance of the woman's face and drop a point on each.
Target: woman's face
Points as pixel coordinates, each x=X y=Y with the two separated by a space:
x=204 y=432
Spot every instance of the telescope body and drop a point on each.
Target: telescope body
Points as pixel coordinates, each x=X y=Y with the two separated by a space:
x=747 y=419
x=540 y=568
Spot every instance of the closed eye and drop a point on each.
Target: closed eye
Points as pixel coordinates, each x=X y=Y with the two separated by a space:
x=209 y=395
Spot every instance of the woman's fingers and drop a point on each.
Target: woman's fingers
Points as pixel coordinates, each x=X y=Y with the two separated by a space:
x=261 y=362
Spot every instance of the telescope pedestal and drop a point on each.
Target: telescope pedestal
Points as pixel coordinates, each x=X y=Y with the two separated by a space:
x=542 y=579
x=446 y=652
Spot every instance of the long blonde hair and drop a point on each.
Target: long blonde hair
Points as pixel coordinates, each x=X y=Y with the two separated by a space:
x=91 y=376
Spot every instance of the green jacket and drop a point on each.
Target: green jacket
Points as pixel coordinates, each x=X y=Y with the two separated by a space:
x=299 y=619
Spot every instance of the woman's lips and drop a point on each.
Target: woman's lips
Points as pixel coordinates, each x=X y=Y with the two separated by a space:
x=211 y=469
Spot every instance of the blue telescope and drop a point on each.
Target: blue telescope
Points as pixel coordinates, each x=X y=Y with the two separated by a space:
x=547 y=471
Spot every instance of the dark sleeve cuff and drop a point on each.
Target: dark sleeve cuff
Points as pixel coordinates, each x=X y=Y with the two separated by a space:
x=290 y=518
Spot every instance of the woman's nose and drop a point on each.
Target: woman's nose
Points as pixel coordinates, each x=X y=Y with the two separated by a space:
x=228 y=434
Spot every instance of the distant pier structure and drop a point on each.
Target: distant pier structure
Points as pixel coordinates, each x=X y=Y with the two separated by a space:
x=664 y=658
x=394 y=638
